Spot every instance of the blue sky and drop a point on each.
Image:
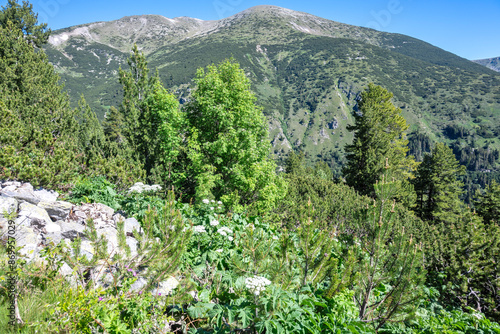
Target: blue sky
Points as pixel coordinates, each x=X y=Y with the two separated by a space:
x=470 y=29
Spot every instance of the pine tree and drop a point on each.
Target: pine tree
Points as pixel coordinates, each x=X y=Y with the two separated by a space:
x=25 y=20
x=40 y=148
x=437 y=185
x=390 y=260
x=379 y=138
x=488 y=203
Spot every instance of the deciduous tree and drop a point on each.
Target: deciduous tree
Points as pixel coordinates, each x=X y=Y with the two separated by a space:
x=229 y=145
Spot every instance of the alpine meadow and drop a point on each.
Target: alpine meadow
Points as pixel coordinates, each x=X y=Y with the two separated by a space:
x=269 y=172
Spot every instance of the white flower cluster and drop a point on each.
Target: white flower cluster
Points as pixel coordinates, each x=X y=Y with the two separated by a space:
x=140 y=187
x=257 y=284
x=214 y=223
x=199 y=229
x=206 y=201
x=224 y=231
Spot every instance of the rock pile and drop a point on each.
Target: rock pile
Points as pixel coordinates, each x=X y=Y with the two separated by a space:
x=42 y=219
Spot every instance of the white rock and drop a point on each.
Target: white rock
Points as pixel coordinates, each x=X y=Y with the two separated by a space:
x=46 y=195
x=31 y=212
x=57 y=210
x=8 y=205
x=166 y=287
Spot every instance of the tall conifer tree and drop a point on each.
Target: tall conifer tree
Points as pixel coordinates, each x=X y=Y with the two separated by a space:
x=379 y=140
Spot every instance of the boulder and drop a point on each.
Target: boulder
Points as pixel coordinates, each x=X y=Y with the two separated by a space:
x=71 y=230
x=12 y=183
x=132 y=243
x=29 y=212
x=166 y=287
x=138 y=284
x=57 y=210
x=9 y=188
x=8 y=205
x=20 y=196
x=104 y=209
x=130 y=225
x=111 y=236
x=46 y=195
x=28 y=240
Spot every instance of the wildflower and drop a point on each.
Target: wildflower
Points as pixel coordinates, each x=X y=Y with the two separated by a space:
x=219 y=202
x=214 y=223
x=224 y=231
x=213 y=201
x=256 y=284
x=275 y=237
x=206 y=201
x=140 y=187
x=100 y=298
x=219 y=250
x=230 y=238
x=199 y=229
x=211 y=208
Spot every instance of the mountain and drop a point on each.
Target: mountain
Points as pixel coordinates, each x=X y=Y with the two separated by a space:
x=491 y=63
x=307 y=72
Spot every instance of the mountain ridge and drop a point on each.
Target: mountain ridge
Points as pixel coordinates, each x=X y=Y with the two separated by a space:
x=307 y=73
x=491 y=63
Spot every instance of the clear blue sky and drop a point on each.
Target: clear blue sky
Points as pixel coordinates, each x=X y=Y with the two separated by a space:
x=470 y=29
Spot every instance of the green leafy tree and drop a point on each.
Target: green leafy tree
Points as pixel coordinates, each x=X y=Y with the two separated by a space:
x=163 y=138
x=229 y=147
x=437 y=185
x=379 y=136
x=24 y=19
x=488 y=203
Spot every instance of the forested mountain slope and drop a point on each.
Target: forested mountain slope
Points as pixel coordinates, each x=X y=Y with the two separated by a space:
x=307 y=72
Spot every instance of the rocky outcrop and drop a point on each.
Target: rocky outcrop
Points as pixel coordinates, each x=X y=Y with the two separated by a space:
x=42 y=220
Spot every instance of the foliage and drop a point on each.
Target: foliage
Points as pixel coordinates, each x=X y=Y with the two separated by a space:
x=432 y=318
x=333 y=203
x=488 y=204
x=95 y=190
x=227 y=151
x=390 y=262
x=378 y=137
x=164 y=124
x=462 y=262
x=24 y=19
x=437 y=185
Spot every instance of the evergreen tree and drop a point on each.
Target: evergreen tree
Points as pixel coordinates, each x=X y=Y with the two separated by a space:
x=228 y=144
x=437 y=186
x=488 y=204
x=333 y=203
x=39 y=148
x=25 y=20
x=379 y=139
x=390 y=260
x=113 y=124
x=137 y=85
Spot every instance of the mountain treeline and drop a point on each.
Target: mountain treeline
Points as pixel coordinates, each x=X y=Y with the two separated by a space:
x=384 y=245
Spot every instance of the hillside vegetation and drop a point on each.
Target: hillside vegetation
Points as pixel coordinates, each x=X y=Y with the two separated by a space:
x=372 y=241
